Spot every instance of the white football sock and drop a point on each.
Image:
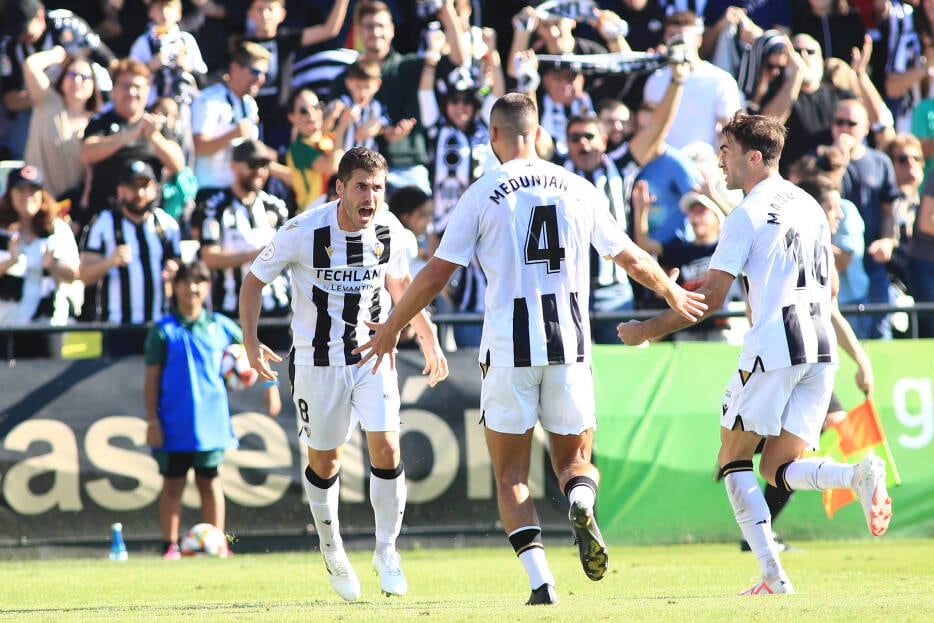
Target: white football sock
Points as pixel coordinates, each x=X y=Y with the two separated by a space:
x=323 y=504
x=752 y=515
x=583 y=495
x=387 y=497
x=818 y=473
x=536 y=566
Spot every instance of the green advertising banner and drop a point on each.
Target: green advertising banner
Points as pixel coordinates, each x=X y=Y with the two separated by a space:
x=658 y=413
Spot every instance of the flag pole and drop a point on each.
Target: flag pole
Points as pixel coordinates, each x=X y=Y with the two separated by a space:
x=885 y=442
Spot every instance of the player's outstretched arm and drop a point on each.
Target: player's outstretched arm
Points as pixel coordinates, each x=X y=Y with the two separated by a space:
x=644 y=269
x=424 y=288
x=850 y=344
x=426 y=333
x=714 y=291
x=250 y=303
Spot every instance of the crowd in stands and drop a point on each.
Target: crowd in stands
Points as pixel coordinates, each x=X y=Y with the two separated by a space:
x=134 y=131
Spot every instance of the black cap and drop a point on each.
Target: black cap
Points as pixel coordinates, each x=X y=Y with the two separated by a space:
x=251 y=152
x=17 y=14
x=135 y=170
x=26 y=174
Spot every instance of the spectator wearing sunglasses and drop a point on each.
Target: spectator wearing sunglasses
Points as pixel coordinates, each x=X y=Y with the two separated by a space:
x=804 y=102
x=456 y=116
x=234 y=224
x=61 y=110
x=224 y=115
x=316 y=150
x=869 y=182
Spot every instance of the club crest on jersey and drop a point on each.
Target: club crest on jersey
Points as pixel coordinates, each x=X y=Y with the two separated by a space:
x=268 y=253
x=378 y=249
x=329 y=251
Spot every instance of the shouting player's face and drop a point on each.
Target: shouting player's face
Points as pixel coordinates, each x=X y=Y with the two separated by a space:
x=361 y=197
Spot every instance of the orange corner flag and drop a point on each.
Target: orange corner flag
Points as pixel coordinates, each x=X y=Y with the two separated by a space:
x=835 y=499
x=860 y=429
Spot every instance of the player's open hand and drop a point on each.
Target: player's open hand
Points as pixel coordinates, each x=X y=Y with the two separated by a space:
x=630 y=332
x=436 y=364
x=689 y=304
x=382 y=344
x=260 y=355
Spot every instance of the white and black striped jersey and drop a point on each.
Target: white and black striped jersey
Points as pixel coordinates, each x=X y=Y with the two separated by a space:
x=338 y=280
x=531 y=224
x=779 y=239
x=223 y=220
x=132 y=294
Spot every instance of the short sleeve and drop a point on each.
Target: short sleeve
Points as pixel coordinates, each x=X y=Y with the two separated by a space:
x=734 y=245
x=154 y=349
x=282 y=250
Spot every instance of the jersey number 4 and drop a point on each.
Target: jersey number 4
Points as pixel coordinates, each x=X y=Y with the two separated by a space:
x=541 y=242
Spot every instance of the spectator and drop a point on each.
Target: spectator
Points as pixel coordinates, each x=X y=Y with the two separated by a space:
x=124 y=134
x=646 y=20
x=560 y=97
x=187 y=409
x=833 y=24
x=60 y=113
x=900 y=69
x=869 y=182
x=316 y=151
x=38 y=253
x=408 y=155
x=921 y=258
x=670 y=173
x=805 y=102
x=414 y=210
x=456 y=118
x=617 y=125
x=742 y=20
x=712 y=92
x=283 y=44
x=225 y=114
x=764 y=69
x=29 y=28
x=610 y=288
x=848 y=240
x=908 y=161
x=172 y=55
x=691 y=259
x=233 y=226
x=370 y=117
x=131 y=251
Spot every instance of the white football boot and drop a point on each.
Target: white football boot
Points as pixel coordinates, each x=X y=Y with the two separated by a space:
x=391 y=579
x=869 y=485
x=341 y=575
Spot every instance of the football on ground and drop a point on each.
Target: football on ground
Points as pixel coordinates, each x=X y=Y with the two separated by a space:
x=204 y=539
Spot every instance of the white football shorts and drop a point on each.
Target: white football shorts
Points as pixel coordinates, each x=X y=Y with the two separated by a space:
x=560 y=396
x=331 y=400
x=793 y=398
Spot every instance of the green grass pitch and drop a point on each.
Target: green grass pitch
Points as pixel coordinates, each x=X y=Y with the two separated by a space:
x=881 y=580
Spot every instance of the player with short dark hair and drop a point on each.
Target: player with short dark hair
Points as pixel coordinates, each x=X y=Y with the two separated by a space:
x=531 y=224
x=778 y=238
x=345 y=258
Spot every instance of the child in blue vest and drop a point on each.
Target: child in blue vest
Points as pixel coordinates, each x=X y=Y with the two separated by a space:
x=187 y=410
